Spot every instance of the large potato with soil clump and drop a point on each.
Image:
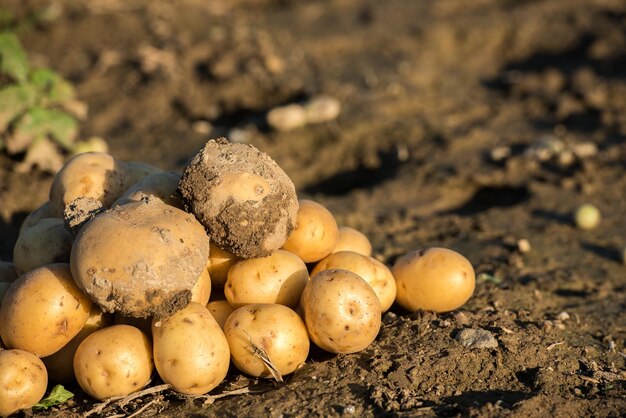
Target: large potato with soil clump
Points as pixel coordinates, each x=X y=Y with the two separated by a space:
x=140 y=259
x=244 y=199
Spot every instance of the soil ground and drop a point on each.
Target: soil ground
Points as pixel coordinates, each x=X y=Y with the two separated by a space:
x=467 y=125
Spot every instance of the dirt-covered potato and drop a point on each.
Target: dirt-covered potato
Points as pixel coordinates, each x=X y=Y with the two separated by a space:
x=220 y=262
x=277 y=278
x=341 y=311
x=162 y=186
x=270 y=330
x=60 y=365
x=7 y=272
x=141 y=259
x=221 y=310
x=244 y=199
x=43 y=310
x=349 y=239
x=113 y=361
x=190 y=350
x=92 y=174
x=35 y=216
x=316 y=232
x=201 y=291
x=138 y=170
x=48 y=241
x=433 y=279
x=23 y=381
x=375 y=273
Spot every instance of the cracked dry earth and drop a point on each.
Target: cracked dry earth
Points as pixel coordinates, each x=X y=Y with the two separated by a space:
x=468 y=125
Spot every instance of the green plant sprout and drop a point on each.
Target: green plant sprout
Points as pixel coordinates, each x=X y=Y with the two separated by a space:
x=38 y=111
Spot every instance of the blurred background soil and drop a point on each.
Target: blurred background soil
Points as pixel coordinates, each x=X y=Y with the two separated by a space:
x=468 y=125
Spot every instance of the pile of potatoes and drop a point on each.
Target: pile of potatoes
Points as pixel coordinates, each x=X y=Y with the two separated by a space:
x=127 y=269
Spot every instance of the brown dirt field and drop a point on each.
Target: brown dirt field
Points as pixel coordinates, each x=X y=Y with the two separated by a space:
x=461 y=127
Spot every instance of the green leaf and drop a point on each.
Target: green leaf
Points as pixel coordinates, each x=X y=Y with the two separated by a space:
x=58 y=395
x=52 y=86
x=486 y=277
x=14 y=100
x=13 y=61
x=39 y=122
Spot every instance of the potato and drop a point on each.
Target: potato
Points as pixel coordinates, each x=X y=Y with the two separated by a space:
x=201 y=291
x=35 y=216
x=190 y=350
x=349 y=239
x=244 y=199
x=23 y=381
x=316 y=232
x=7 y=272
x=433 y=279
x=142 y=324
x=341 y=311
x=221 y=310
x=276 y=330
x=162 y=186
x=220 y=262
x=375 y=273
x=151 y=274
x=60 y=365
x=48 y=241
x=137 y=171
x=92 y=174
x=43 y=310
x=277 y=278
x=113 y=361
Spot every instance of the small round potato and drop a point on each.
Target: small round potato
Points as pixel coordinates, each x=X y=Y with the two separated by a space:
x=151 y=274
x=60 y=365
x=43 y=310
x=113 y=361
x=190 y=350
x=244 y=199
x=341 y=311
x=7 y=272
x=220 y=261
x=48 y=241
x=93 y=174
x=316 y=232
x=349 y=239
x=201 y=291
x=375 y=273
x=162 y=186
x=270 y=330
x=221 y=310
x=137 y=171
x=35 y=216
x=277 y=278
x=23 y=381
x=433 y=279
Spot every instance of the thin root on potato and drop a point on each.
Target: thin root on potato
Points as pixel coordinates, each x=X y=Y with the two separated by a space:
x=258 y=351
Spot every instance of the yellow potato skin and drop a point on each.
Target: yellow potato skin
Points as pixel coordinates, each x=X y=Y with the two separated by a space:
x=60 y=365
x=341 y=311
x=277 y=278
x=201 y=291
x=220 y=261
x=316 y=232
x=349 y=239
x=276 y=329
x=375 y=273
x=47 y=241
x=92 y=174
x=35 y=216
x=433 y=279
x=221 y=310
x=190 y=350
x=113 y=361
x=43 y=310
x=23 y=380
